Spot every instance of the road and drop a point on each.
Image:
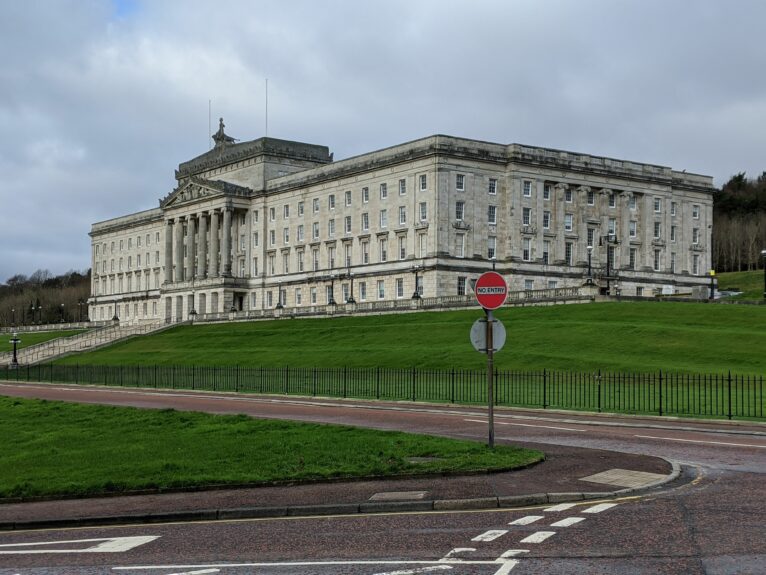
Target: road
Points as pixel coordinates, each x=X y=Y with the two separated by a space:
x=712 y=522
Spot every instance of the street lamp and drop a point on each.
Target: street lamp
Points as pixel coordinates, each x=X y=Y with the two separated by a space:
x=62 y=313
x=13 y=316
x=351 y=294
x=192 y=315
x=590 y=268
x=712 y=285
x=279 y=296
x=763 y=253
x=416 y=294
x=15 y=341
x=332 y=290
x=610 y=239
x=117 y=317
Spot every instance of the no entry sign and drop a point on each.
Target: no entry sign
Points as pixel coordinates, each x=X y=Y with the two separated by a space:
x=491 y=290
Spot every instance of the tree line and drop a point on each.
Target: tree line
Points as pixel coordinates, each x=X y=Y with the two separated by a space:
x=739 y=224
x=44 y=298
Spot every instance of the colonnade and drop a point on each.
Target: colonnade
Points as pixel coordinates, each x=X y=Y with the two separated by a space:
x=203 y=258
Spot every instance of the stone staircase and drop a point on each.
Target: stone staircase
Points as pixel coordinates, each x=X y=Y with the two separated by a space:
x=86 y=341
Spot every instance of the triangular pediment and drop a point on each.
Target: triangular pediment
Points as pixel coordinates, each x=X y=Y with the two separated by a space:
x=195 y=189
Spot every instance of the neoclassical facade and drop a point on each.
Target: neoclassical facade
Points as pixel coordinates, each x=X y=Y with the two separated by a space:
x=255 y=224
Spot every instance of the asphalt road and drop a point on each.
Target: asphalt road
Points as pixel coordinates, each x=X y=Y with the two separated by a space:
x=713 y=521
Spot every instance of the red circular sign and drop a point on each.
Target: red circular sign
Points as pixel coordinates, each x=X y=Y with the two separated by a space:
x=491 y=290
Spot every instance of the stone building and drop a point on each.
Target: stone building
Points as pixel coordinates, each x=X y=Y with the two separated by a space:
x=255 y=224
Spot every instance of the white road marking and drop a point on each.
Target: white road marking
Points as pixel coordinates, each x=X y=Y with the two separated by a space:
x=507 y=567
x=311 y=564
x=415 y=571
x=538 y=537
x=568 y=521
x=202 y=572
x=701 y=441
x=109 y=545
x=526 y=520
x=511 y=553
x=528 y=425
x=599 y=508
x=490 y=535
x=560 y=507
x=450 y=557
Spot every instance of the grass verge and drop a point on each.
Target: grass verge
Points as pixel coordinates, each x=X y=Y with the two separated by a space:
x=52 y=449
x=751 y=284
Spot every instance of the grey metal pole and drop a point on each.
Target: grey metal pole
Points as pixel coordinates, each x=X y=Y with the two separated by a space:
x=490 y=381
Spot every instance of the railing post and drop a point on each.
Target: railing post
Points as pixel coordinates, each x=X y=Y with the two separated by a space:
x=452 y=386
x=598 y=390
x=413 y=383
x=660 y=392
x=344 y=381
x=236 y=378
x=287 y=380
x=545 y=388
x=729 y=382
x=377 y=382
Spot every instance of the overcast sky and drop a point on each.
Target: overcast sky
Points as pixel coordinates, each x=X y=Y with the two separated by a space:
x=101 y=100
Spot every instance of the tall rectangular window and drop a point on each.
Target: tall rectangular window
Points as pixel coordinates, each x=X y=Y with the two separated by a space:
x=348 y=197
x=568 y=253
x=696 y=212
x=656 y=260
x=383 y=218
x=363 y=291
x=272 y=214
x=383 y=191
x=315 y=205
x=423 y=211
x=491 y=247
x=461 y=285
x=591 y=197
x=695 y=235
x=547 y=189
x=657 y=230
x=632 y=262
x=365 y=221
x=491 y=214
x=459 y=245
x=285 y=236
x=423 y=182
x=272 y=237
x=381 y=289
x=286 y=263
x=568 y=196
x=331 y=201
x=402 y=215
x=383 y=250
x=568 y=219
x=612 y=226
x=492 y=186
x=331 y=256
x=672 y=263
x=423 y=246
x=365 y=252
x=285 y=211
x=657 y=205
x=299 y=257
x=402 y=187
x=348 y=224
x=546 y=220
x=300 y=233
x=347 y=254
x=459 y=210
x=460 y=182
x=672 y=208
x=526 y=249
x=696 y=264
x=527 y=188
x=300 y=209
x=612 y=200
x=633 y=228
x=315 y=259
x=546 y=252
x=365 y=195
x=315 y=230
x=399 y=287
x=402 y=241
x=672 y=233
x=632 y=202
x=526 y=216
x=591 y=236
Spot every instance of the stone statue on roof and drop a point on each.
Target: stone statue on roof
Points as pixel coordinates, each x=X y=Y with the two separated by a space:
x=220 y=138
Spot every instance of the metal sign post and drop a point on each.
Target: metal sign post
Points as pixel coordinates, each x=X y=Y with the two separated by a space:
x=491 y=291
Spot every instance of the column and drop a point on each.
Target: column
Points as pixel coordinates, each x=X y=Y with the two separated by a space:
x=202 y=247
x=168 y=251
x=189 y=275
x=178 y=275
x=214 y=267
x=226 y=248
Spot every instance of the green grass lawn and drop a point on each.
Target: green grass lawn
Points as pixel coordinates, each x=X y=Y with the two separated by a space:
x=627 y=336
x=55 y=448
x=33 y=338
x=749 y=283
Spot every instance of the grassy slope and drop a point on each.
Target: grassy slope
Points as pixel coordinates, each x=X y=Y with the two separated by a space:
x=636 y=336
x=53 y=448
x=750 y=283
x=34 y=338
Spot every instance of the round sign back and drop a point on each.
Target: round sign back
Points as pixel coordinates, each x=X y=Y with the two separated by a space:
x=491 y=290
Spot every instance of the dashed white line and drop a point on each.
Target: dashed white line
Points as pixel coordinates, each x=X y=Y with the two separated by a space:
x=599 y=508
x=202 y=572
x=526 y=520
x=511 y=553
x=701 y=441
x=568 y=521
x=538 y=537
x=490 y=535
x=415 y=571
x=560 y=507
x=527 y=425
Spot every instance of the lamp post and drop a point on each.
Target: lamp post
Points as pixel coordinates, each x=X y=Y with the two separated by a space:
x=610 y=239
x=40 y=309
x=351 y=293
x=590 y=268
x=711 y=297
x=192 y=315
x=62 y=313
x=332 y=290
x=116 y=317
x=763 y=253
x=13 y=316
x=15 y=341
x=279 y=296
x=416 y=294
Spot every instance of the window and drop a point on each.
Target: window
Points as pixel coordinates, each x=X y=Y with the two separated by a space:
x=315 y=259
x=461 y=285
x=632 y=229
x=568 y=196
x=130 y=262
x=254 y=270
x=591 y=236
x=632 y=258
x=300 y=209
x=347 y=227
x=315 y=230
x=130 y=243
x=121 y=244
x=632 y=202
x=568 y=222
x=547 y=188
x=402 y=247
x=591 y=197
x=272 y=265
x=552 y=284
x=363 y=291
x=365 y=252
x=285 y=263
x=459 y=209
x=331 y=228
x=299 y=257
x=383 y=250
x=672 y=233
x=491 y=247
x=526 y=250
x=657 y=205
x=331 y=202
x=255 y=218
x=148 y=237
x=402 y=215
x=529 y=284
x=347 y=252
x=313 y=295
x=672 y=208
x=298 y=296
x=242 y=242
x=272 y=214
x=672 y=263
x=612 y=226
x=526 y=215
x=459 y=182
x=402 y=187
x=138 y=241
x=639 y=291
x=300 y=233
x=423 y=211
x=422 y=242
x=695 y=264
x=657 y=229
x=286 y=236
x=255 y=239
x=272 y=237
x=546 y=220
x=611 y=254
x=459 y=245
x=612 y=200
x=568 y=253
x=696 y=212
x=695 y=236
x=527 y=188
x=491 y=214
x=383 y=218
x=348 y=197
x=381 y=289
x=285 y=212
x=399 y=287
x=344 y=292
x=138 y=261
x=492 y=186
x=331 y=256
x=365 y=221
x=383 y=191
x=365 y=195
x=315 y=205
x=423 y=182
x=546 y=253
x=656 y=260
